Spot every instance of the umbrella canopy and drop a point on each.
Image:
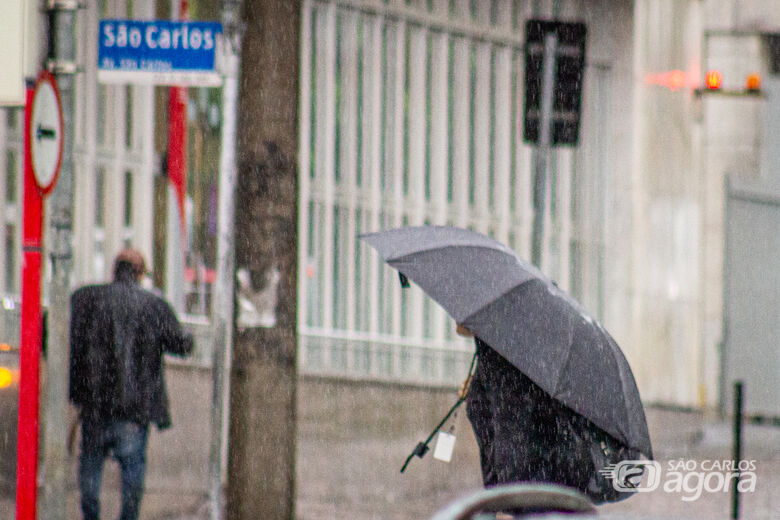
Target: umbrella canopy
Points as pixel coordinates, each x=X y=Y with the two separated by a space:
x=523 y=315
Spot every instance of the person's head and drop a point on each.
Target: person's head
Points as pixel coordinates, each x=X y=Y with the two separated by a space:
x=129 y=262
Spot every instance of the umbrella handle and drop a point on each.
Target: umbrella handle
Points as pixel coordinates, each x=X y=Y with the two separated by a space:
x=422 y=447
x=420 y=450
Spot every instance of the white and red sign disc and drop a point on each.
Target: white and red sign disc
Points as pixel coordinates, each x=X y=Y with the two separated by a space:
x=46 y=132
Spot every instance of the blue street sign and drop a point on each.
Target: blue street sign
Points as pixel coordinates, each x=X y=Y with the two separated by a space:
x=162 y=52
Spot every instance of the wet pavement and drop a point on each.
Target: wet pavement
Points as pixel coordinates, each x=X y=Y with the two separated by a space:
x=354 y=439
x=373 y=488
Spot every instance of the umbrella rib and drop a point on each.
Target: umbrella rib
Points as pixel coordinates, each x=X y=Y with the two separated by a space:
x=560 y=375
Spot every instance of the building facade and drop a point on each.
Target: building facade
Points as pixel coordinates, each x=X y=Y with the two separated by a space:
x=410 y=114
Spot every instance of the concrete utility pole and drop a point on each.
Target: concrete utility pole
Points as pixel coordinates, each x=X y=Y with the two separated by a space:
x=261 y=467
x=59 y=240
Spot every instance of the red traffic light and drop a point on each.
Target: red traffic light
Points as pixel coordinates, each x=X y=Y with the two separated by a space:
x=713 y=80
x=713 y=84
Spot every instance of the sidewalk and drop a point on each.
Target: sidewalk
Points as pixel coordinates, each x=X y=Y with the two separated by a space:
x=690 y=436
x=379 y=491
x=353 y=452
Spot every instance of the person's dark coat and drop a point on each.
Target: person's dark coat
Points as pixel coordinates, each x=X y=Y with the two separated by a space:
x=119 y=332
x=524 y=435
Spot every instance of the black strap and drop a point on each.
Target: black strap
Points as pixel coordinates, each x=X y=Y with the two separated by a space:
x=422 y=447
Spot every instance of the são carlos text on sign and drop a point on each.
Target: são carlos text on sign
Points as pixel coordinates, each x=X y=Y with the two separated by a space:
x=160 y=52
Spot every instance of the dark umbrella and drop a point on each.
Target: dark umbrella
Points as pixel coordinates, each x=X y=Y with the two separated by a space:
x=512 y=306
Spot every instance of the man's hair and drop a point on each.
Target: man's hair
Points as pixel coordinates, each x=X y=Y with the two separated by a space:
x=132 y=259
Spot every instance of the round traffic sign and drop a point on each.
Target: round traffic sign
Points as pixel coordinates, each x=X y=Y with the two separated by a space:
x=46 y=132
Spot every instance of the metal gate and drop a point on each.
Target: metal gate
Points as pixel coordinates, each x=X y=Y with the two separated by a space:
x=751 y=317
x=411 y=114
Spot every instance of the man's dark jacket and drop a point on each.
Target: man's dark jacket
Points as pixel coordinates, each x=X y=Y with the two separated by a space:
x=119 y=332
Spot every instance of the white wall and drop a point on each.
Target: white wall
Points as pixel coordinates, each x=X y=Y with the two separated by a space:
x=666 y=231
x=685 y=146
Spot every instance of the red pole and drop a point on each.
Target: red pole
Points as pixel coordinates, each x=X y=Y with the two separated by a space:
x=177 y=147
x=27 y=439
x=177 y=138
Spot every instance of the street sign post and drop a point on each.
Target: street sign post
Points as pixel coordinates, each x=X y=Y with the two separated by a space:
x=158 y=52
x=554 y=63
x=43 y=143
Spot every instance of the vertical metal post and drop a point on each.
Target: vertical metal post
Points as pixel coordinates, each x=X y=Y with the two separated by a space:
x=30 y=338
x=737 y=455
x=62 y=63
x=223 y=288
x=542 y=153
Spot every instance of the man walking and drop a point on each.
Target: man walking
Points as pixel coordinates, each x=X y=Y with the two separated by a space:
x=118 y=334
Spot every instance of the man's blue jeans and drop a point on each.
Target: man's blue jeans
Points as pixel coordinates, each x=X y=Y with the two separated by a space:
x=127 y=442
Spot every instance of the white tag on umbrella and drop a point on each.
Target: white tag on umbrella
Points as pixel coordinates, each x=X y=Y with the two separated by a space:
x=445 y=444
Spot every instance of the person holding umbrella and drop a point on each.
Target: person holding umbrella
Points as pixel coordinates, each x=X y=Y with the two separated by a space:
x=523 y=434
x=553 y=398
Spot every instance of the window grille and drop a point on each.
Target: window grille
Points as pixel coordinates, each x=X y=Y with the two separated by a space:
x=411 y=114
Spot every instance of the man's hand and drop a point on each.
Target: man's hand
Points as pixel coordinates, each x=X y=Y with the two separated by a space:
x=463 y=331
